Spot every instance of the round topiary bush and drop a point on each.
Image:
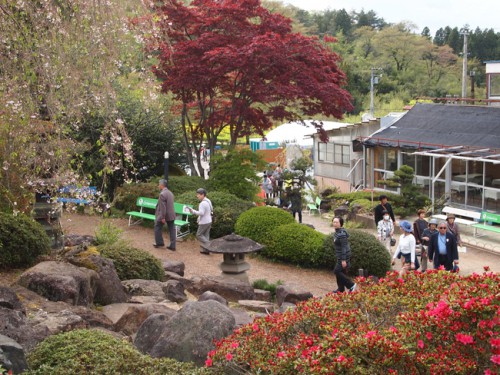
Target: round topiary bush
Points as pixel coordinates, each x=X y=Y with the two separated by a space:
x=366 y=253
x=227 y=209
x=132 y=263
x=295 y=243
x=96 y=352
x=259 y=222
x=22 y=240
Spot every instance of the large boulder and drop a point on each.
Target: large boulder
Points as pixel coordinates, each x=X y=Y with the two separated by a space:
x=12 y=355
x=109 y=288
x=292 y=294
x=61 y=281
x=231 y=289
x=150 y=331
x=175 y=266
x=15 y=325
x=208 y=295
x=133 y=318
x=140 y=287
x=189 y=335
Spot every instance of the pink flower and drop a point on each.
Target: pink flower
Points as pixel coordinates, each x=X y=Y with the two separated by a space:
x=495 y=342
x=495 y=359
x=370 y=334
x=229 y=356
x=235 y=344
x=400 y=280
x=281 y=354
x=488 y=372
x=255 y=327
x=428 y=335
x=340 y=358
x=393 y=329
x=420 y=344
x=441 y=268
x=486 y=301
x=464 y=339
x=208 y=362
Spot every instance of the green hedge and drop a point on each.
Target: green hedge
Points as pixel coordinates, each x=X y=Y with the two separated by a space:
x=366 y=253
x=22 y=240
x=132 y=263
x=96 y=352
x=259 y=223
x=227 y=209
x=295 y=243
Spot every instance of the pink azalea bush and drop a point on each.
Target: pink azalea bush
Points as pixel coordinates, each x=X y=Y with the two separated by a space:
x=432 y=323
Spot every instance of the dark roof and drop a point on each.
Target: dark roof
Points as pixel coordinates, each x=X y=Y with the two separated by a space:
x=432 y=126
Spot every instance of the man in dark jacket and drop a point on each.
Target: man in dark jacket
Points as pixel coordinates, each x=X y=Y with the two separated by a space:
x=343 y=253
x=443 y=248
x=165 y=213
x=379 y=209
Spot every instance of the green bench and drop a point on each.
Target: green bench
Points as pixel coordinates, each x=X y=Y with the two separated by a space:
x=147 y=204
x=488 y=217
x=314 y=206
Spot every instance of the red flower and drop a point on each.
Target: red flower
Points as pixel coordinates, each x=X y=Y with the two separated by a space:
x=208 y=362
x=229 y=356
x=495 y=342
x=370 y=334
x=486 y=268
x=235 y=344
x=428 y=335
x=281 y=354
x=495 y=359
x=340 y=358
x=420 y=344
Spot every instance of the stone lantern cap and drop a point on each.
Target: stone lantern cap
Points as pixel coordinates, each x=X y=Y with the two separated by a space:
x=232 y=244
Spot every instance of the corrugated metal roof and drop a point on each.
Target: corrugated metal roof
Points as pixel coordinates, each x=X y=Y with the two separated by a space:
x=437 y=125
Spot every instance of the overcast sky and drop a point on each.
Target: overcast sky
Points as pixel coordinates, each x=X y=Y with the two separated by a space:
x=431 y=13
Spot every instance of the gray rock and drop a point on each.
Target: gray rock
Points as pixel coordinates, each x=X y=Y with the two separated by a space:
x=132 y=319
x=208 y=295
x=174 y=276
x=292 y=294
x=285 y=306
x=174 y=290
x=61 y=281
x=230 y=289
x=150 y=331
x=109 y=288
x=241 y=317
x=174 y=266
x=262 y=295
x=258 y=306
x=12 y=355
x=15 y=325
x=71 y=240
x=9 y=300
x=189 y=335
x=139 y=287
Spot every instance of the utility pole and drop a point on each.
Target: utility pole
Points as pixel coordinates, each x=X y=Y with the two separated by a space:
x=373 y=81
x=465 y=33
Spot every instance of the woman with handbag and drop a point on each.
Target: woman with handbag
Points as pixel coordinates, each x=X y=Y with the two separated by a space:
x=385 y=230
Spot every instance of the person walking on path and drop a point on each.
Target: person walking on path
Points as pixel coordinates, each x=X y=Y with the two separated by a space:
x=419 y=226
x=385 y=230
x=453 y=228
x=443 y=249
x=165 y=213
x=295 y=198
x=267 y=185
x=343 y=253
x=406 y=250
x=426 y=238
x=379 y=209
x=204 y=214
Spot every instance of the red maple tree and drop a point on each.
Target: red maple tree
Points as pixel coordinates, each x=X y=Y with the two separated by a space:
x=233 y=64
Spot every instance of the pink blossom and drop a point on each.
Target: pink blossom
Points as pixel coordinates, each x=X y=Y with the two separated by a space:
x=255 y=327
x=281 y=354
x=208 y=362
x=340 y=358
x=464 y=339
x=229 y=356
x=495 y=342
x=495 y=359
x=235 y=344
x=420 y=344
x=486 y=301
x=428 y=335
x=370 y=334
x=393 y=329
x=488 y=372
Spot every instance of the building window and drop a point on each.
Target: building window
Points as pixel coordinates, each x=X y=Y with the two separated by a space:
x=334 y=153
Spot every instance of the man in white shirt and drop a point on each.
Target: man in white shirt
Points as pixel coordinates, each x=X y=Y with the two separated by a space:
x=204 y=214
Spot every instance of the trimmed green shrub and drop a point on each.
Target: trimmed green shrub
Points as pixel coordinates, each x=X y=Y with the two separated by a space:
x=132 y=263
x=365 y=204
x=366 y=253
x=22 y=240
x=295 y=243
x=259 y=223
x=227 y=209
x=178 y=185
x=107 y=233
x=96 y=352
x=126 y=195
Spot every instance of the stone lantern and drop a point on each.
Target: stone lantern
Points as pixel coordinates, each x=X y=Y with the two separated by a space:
x=233 y=248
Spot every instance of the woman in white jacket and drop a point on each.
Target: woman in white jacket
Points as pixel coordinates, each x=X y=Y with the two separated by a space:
x=385 y=230
x=406 y=250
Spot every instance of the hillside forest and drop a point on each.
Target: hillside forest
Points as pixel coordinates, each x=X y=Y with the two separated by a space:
x=81 y=102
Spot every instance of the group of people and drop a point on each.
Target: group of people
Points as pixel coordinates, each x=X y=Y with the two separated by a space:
x=433 y=240
x=272 y=182
x=165 y=214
